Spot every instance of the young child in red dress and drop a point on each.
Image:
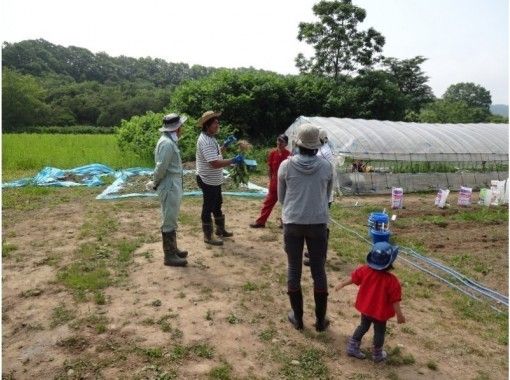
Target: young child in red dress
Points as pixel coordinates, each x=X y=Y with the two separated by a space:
x=378 y=298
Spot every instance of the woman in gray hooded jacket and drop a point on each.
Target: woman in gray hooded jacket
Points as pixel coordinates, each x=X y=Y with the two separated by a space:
x=305 y=183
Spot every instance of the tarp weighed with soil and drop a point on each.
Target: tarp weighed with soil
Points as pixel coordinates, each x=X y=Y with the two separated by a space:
x=127 y=182
x=131 y=183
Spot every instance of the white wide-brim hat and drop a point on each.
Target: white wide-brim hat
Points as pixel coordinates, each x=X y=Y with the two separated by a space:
x=308 y=137
x=172 y=122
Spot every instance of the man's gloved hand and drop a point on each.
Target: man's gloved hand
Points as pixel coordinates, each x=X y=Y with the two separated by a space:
x=150 y=186
x=239 y=159
x=229 y=141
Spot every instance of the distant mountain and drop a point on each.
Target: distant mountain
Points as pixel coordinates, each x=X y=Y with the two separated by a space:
x=41 y=58
x=499 y=109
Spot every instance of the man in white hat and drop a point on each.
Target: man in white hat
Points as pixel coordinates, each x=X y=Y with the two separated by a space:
x=167 y=181
x=305 y=183
x=210 y=164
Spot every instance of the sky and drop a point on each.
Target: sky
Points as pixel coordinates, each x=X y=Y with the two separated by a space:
x=463 y=40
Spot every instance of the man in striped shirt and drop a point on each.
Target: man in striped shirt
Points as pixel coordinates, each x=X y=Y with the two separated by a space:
x=210 y=164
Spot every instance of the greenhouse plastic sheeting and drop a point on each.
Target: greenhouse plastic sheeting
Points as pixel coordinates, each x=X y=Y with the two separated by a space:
x=402 y=141
x=382 y=183
x=115 y=190
x=88 y=175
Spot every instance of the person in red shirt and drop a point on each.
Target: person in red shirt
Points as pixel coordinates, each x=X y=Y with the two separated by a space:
x=378 y=299
x=274 y=159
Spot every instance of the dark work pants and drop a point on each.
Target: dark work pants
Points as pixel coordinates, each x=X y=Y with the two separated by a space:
x=315 y=236
x=212 y=201
x=379 y=330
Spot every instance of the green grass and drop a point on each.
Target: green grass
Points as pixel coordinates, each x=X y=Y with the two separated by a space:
x=397 y=358
x=7 y=248
x=221 y=372
x=32 y=152
x=33 y=198
x=83 y=276
x=249 y=286
x=61 y=315
x=309 y=365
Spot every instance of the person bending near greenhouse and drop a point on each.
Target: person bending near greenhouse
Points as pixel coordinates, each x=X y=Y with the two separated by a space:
x=326 y=153
x=167 y=181
x=304 y=185
x=209 y=165
x=274 y=159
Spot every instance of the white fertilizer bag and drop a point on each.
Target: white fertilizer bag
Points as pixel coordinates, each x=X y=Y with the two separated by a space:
x=495 y=192
x=465 y=195
x=397 y=197
x=441 y=197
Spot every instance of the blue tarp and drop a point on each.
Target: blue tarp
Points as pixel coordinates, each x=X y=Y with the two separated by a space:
x=88 y=175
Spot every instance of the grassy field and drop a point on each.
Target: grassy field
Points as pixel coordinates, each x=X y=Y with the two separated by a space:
x=26 y=154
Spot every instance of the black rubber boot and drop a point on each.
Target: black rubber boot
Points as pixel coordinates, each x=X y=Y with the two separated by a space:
x=170 y=250
x=295 y=316
x=220 y=227
x=208 y=238
x=321 y=305
x=181 y=254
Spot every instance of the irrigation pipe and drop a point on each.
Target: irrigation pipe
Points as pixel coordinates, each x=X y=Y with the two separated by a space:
x=470 y=284
x=466 y=281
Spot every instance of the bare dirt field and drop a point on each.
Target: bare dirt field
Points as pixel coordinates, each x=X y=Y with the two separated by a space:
x=85 y=294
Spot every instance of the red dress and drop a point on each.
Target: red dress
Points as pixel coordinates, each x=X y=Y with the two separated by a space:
x=274 y=159
x=378 y=291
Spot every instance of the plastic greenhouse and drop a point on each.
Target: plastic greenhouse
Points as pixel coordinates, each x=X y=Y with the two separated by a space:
x=373 y=156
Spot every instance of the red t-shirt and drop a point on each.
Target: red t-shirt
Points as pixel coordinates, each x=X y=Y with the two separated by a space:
x=274 y=159
x=378 y=291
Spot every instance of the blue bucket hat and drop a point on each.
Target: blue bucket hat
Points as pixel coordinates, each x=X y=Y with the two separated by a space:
x=382 y=255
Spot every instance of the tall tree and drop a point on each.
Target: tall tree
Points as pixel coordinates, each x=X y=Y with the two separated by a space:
x=446 y=111
x=339 y=45
x=472 y=94
x=411 y=81
x=22 y=101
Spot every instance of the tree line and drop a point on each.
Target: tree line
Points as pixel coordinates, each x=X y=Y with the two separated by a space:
x=348 y=76
x=49 y=85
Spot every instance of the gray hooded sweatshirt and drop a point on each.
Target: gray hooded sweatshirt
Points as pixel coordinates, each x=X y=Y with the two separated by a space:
x=304 y=187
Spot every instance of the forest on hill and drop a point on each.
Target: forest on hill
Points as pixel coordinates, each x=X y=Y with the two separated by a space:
x=44 y=84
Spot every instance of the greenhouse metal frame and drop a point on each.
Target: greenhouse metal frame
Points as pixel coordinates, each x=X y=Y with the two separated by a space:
x=374 y=156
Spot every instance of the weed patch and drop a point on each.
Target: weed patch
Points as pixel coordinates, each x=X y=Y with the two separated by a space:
x=308 y=365
x=7 y=249
x=61 y=315
x=221 y=372
x=397 y=358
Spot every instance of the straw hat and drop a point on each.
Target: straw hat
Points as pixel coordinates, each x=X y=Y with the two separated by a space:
x=382 y=255
x=308 y=137
x=172 y=122
x=208 y=115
